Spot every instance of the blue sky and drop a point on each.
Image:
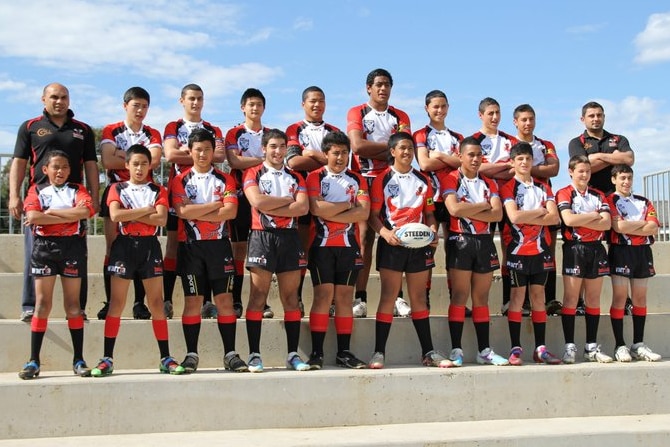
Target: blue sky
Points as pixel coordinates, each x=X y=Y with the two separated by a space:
x=554 y=55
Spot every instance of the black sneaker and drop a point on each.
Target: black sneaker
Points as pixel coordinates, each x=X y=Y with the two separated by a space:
x=346 y=359
x=238 y=309
x=190 y=363
x=81 y=369
x=233 y=362
x=140 y=312
x=315 y=361
x=554 y=307
x=102 y=313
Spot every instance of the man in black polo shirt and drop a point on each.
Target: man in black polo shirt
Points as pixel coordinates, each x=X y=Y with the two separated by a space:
x=54 y=129
x=603 y=148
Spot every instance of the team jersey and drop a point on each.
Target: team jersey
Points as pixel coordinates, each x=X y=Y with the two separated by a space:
x=542 y=150
x=445 y=141
x=401 y=198
x=526 y=239
x=278 y=183
x=122 y=137
x=304 y=135
x=477 y=190
x=347 y=186
x=569 y=198
x=44 y=197
x=631 y=208
x=181 y=130
x=495 y=149
x=245 y=142
x=132 y=196
x=377 y=127
x=193 y=187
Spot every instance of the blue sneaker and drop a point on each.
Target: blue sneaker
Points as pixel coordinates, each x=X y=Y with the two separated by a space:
x=295 y=363
x=30 y=370
x=81 y=369
x=169 y=365
x=456 y=357
x=255 y=363
x=488 y=357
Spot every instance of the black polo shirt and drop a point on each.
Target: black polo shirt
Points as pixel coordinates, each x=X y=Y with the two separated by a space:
x=586 y=145
x=38 y=136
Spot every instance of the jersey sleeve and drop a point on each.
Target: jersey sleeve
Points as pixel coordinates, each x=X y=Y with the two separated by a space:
x=84 y=196
x=155 y=139
x=313 y=184
x=107 y=135
x=403 y=122
x=419 y=138
x=354 y=119
x=230 y=193
x=177 y=193
x=377 y=193
x=362 y=193
x=113 y=194
x=162 y=198
x=507 y=191
x=249 y=178
x=575 y=147
x=563 y=199
x=22 y=145
x=32 y=200
x=230 y=142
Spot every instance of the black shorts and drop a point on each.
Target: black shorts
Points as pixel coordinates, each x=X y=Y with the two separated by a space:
x=104 y=209
x=240 y=226
x=65 y=256
x=631 y=261
x=441 y=212
x=276 y=251
x=585 y=260
x=205 y=266
x=135 y=256
x=335 y=265
x=475 y=253
x=530 y=269
x=402 y=259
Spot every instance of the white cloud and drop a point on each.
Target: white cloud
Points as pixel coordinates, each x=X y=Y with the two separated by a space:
x=303 y=24
x=586 y=29
x=653 y=43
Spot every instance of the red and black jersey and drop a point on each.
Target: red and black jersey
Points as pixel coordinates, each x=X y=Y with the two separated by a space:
x=181 y=130
x=122 y=137
x=377 y=127
x=44 y=197
x=631 y=208
x=542 y=151
x=476 y=190
x=304 y=135
x=278 y=183
x=401 y=198
x=132 y=196
x=193 y=187
x=569 y=198
x=445 y=141
x=347 y=186
x=495 y=149
x=526 y=239
x=39 y=136
x=245 y=142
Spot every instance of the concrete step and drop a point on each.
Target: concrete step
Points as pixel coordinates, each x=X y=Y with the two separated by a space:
x=637 y=430
x=136 y=346
x=136 y=402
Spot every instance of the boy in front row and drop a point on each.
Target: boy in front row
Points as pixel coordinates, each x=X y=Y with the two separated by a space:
x=139 y=207
x=55 y=211
x=634 y=225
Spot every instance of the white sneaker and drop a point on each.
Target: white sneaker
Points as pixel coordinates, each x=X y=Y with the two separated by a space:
x=360 y=308
x=402 y=309
x=570 y=354
x=592 y=354
x=640 y=351
x=622 y=354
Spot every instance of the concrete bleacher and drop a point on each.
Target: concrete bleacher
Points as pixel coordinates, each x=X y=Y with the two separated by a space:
x=404 y=404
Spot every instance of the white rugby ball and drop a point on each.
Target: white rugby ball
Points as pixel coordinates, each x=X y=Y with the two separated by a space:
x=415 y=235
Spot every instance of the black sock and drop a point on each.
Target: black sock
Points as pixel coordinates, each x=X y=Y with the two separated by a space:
x=482 y=330
x=109 y=346
x=592 y=328
x=77 y=336
x=514 y=332
x=169 y=279
x=164 y=348
x=456 y=332
x=36 y=339
x=638 y=328
x=539 y=329
x=292 y=335
x=568 y=322
x=254 y=335
x=343 y=342
x=227 y=332
x=382 y=331
x=617 y=329
x=362 y=294
x=191 y=336
x=422 y=327
x=317 y=342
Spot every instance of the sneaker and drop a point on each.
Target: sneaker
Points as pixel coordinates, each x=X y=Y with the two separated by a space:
x=347 y=359
x=456 y=357
x=81 y=369
x=190 y=363
x=622 y=354
x=436 y=358
x=105 y=367
x=315 y=361
x=515 y=356
x=295 y=363
x=360 y=308
x=169 y=365
x=140 y=312
x=208 y=310
x=377 y=361
x=267 y=312
x=168 y=308
x=331 y=311
x=30 y=370
x=233 y=362
x=27 y=316
x=570 y=354
x=541 y=355
x=488 y=357
x=640 y=351
x=255 y=363
x=554 y=307
x=592 y=354
x=401 y=308
x=102 y=313
x=238 y=309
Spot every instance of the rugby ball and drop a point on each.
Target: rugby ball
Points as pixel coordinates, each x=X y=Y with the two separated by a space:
x=415 y=235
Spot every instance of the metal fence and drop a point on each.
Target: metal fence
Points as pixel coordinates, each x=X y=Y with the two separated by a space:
x=657 y=189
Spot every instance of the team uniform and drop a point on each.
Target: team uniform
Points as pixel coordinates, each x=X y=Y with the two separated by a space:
x=444 y=141
x=402 y=198
x=543 y=150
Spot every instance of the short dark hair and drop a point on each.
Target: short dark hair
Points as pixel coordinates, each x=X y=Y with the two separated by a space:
x=591 y=105
x=378 y=72
x=523 y=108
x=468 y=141
x=187 y=87
x=521 y=148
x=435 y=94
x=397 y=138
x=488 y=101
x=251 y=93
x=138 y=149
x=136 y=93
x=310 y=89
x=335 y=138
x=201 y=135
x=577 y=159
x=273 y=133
x=53 y=154
x=621 y=169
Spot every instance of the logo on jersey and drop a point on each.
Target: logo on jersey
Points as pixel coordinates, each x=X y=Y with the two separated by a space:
x=266 y=186
x=121 y=142
x=431 y=142
x=393 y=190
x=45 y=200
x=304 y=140
x=613 y=141
x=622 y=209
x=486 y=149
x=369 y=126
x=519 y=201
x=419 y=191
x=43 y=132
x=325 y=188
x=191 y=191
x=243 y=143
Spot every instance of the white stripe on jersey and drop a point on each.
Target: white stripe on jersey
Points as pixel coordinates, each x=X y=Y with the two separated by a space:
x=137 y=196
